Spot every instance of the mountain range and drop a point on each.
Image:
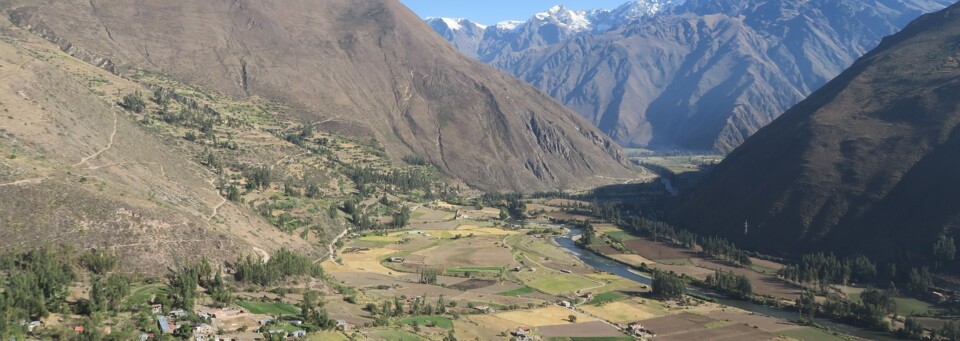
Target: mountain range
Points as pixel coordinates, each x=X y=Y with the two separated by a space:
x=866 y=164
x=691 y=75
x=369 y=69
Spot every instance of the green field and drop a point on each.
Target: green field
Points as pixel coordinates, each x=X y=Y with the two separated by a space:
x=436 y=321
x=905 y=306
x=327 y=336
x=396 y=335
x=811 y=334
x=910 y=306
x=620 y=235
x=606 y=297
x=142 y=294
x=561 y=284
x=269 y=308
x=518 y=291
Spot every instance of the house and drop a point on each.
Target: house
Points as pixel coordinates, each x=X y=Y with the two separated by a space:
x=565 y=304
x=298 y=333
x=517 y=269
x=344 y=326
x=485 y=309
x=396 y=259
x=156 y=308
x=178 y=314
x=165 y=325
x=33 y=325
x=204 y=331
x=143 y=337
x=461 y=214
x=588 y=296
x=78 y=329
x=265 y=321
x=522 y=332
x=296 y=322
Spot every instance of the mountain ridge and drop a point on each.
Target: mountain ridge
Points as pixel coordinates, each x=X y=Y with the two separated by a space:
x=386 y=87
x=677 y=80
x=863 y=165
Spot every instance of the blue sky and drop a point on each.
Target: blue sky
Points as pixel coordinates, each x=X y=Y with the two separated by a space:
x=492 y=11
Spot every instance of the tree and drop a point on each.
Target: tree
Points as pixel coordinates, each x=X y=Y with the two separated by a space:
x=944 y=250
x=912 y=328
x=107 y=293
x=667 y=285
x=133 y=102
x=402 y=218
x=98 y=261
x=807 y=304
x=572 y=318
x=874 y=306
x=951 y=330
x=919 y=282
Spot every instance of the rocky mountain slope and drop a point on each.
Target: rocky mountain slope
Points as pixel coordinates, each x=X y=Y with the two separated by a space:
x=369 y=69
x=76 y=169
x=868 y=163
x=699 y=74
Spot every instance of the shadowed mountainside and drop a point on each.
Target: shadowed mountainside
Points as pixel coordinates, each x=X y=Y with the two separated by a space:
x=866 y=164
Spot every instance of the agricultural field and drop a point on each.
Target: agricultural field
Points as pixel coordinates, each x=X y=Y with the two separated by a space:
x=269 y=308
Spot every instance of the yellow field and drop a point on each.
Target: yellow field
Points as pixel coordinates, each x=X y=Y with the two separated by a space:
x=334 y=267
x=381 y=239
x=622 y=311
x=548 y=316
x=485 y=230
x=632 y=259
x=368 y=261
x=495 y=323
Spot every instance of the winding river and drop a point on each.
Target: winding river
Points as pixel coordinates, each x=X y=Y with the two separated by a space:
x=604 y=264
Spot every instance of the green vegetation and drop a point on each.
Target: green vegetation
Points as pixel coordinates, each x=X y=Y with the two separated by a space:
x=518 y=291
x=730 y=283
x=607 y=297
x=428 y=321
x=271 y=308
x=397 y=335
x=811 y=334
x=284 y=263
x=561 y=284
x=668 y=286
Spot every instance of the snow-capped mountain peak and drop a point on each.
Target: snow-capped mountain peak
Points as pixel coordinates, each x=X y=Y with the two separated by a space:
x=637 y=9
x=454 y=24
x=576 y=21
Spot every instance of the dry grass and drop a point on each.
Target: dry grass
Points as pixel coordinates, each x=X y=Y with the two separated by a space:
x=551 y=315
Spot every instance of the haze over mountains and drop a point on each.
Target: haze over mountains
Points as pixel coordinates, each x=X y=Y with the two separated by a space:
x=868 y=163
x=694 y=75
x=370 y=69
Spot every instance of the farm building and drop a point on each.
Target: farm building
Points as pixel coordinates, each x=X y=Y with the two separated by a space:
x=165 y=325
x=396 y=259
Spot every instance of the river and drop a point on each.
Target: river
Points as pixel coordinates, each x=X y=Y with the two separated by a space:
x=606 y=265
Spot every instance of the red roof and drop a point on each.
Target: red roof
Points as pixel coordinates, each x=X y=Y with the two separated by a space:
x=78 y=329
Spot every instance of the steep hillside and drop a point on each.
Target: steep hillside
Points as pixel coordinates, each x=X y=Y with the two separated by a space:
x=78 y=169
x=702 y=75
x=866 y=164
x=370 y=69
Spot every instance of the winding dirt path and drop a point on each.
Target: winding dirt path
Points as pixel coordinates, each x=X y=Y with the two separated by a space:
x=263 y=254
x=333 y=244
x=33 y=181
x=216 y=209
x=109 y=145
